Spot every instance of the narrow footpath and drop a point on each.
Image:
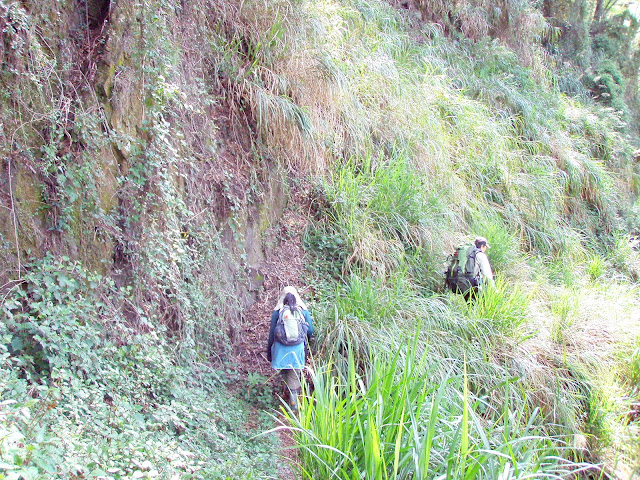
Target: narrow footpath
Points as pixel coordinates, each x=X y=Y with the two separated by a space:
x=283 y=265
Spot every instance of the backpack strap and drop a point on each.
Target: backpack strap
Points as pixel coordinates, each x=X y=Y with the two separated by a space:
x=303 y=323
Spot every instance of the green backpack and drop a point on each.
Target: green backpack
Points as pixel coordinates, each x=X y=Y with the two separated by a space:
x=461 y=275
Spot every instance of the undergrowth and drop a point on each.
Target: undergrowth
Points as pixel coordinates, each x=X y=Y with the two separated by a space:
x=394 y=418
x=144 y=164
x=87 y=392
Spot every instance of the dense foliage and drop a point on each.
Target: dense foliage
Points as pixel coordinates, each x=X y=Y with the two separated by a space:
x=149 y=150
x=89 y=394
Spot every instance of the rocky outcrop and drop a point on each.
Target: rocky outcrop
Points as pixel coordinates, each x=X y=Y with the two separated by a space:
x=124 y=148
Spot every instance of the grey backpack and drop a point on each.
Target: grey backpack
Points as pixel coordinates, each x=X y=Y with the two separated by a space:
x=291 y=327
x=463 y=272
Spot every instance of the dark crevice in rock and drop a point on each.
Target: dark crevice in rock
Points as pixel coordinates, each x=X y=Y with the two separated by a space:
x=96 y=12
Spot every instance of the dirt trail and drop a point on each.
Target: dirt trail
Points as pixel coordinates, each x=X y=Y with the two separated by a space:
x=283 y=265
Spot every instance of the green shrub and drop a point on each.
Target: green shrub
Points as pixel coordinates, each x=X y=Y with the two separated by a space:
x=607 y=84
x=329 y=250
x=87 y=391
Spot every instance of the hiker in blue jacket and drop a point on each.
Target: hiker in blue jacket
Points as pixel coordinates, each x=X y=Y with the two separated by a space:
x=289 y=359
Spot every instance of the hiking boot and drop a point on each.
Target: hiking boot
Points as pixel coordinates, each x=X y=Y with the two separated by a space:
x=293 y=399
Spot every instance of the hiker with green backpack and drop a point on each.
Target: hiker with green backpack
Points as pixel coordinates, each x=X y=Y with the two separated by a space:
x=291 y=328
x=469 y=269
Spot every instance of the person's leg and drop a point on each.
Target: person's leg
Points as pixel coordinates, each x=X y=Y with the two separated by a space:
x=292 y=379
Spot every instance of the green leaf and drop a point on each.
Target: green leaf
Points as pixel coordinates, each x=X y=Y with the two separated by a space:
x=97 y=473
x=16 y=344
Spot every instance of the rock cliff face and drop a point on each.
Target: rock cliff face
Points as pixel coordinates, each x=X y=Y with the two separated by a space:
x=126 y=146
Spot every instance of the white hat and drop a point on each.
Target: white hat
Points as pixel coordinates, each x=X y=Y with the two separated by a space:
x=294 y=292
x=482 y=240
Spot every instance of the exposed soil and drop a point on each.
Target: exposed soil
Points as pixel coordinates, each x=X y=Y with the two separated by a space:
x=283 y=265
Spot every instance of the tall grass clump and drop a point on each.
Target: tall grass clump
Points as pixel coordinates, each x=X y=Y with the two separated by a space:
x=505 y=306
x=507 y=256
x=392 y=420
x=634 y=377
x=374 y=300
x=370 y=314
x=370 y=318
x=624 y=257
x=565 y=310
x=597 y=267
x=382 y=207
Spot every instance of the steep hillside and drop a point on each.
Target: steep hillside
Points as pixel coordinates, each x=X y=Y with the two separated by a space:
x=168 y=167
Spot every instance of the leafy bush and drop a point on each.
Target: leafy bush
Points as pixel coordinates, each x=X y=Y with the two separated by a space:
x=607 y=84
x=329 y=250
x=88 y=393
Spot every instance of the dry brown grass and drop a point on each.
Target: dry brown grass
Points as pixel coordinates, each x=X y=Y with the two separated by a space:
x=515 y=23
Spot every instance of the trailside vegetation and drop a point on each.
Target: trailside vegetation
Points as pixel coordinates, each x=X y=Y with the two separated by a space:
x=148 y=151
x=89 y=393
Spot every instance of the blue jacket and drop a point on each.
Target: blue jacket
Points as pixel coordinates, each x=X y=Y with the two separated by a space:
x=285 y=357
